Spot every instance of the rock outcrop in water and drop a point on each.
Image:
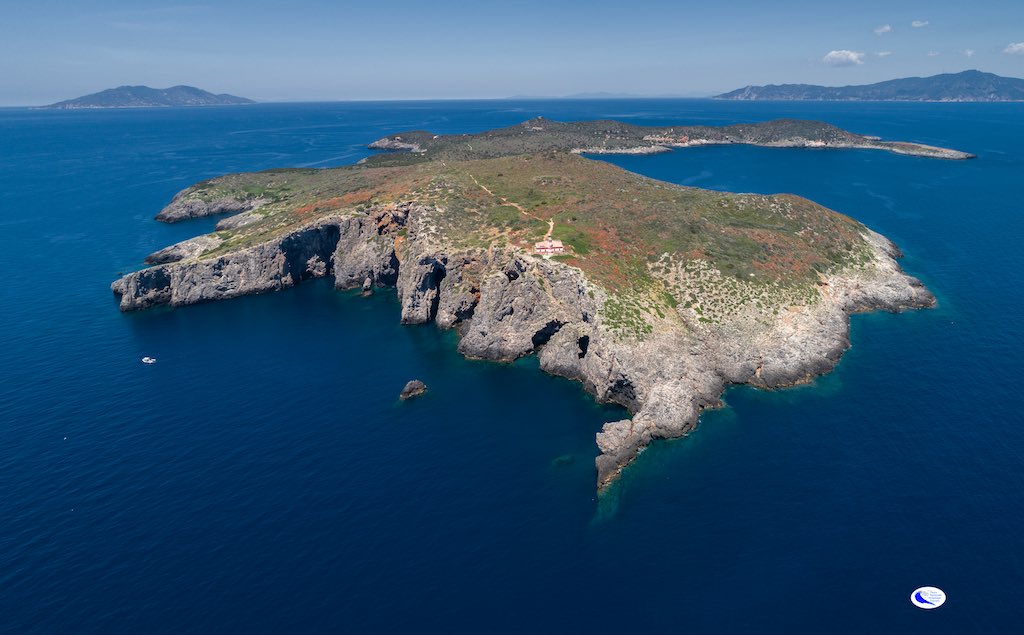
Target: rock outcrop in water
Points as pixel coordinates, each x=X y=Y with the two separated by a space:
x=664 y=341
x=414 y=388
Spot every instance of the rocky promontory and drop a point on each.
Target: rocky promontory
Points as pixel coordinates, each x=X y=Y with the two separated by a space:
x=662 y=297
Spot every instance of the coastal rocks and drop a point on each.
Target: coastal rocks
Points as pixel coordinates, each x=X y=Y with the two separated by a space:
x=352 y=247
x=144 y=289
x=802 y=343
x=651 y=149
x=419 y=281
x=522 y=305
x=280 y=263
x=238 y=220
x=192 y=248
x=414 y=388
x=395 y=143
x=671 y=409
x=921 y=150
x=460 y=292
x=508 y=304
x=366 y=246
x=185 y=206
x=362 y=253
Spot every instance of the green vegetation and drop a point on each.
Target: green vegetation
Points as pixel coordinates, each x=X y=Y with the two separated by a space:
x=542 y=137
x=573 y=237
x=626 y=317
x=661 y=251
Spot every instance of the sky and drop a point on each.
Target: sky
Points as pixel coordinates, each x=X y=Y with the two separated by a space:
x=317 y=50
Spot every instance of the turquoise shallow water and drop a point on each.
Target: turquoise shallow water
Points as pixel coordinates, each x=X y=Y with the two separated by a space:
x=263 y=477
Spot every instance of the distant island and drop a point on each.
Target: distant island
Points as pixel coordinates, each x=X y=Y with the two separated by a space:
x=146 y=97
x=653 y=295
x=596 y=96
x=965 y=86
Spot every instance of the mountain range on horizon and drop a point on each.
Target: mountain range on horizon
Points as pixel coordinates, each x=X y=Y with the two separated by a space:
x=965 y=86
x=971 y=85
x=146 y=97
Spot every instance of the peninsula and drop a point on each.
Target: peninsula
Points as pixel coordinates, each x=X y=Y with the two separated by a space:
x=657 y=296
x=146 y=97
x=964 y=86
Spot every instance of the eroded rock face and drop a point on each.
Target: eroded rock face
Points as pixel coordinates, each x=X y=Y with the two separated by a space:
x=508 y=304
x=362 y=253
x=238 y=220
x=280 y=263
x=192 y=248
x=185 y=207
x=419 y=287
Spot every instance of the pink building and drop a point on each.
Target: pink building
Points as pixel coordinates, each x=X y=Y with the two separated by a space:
x=548 y=247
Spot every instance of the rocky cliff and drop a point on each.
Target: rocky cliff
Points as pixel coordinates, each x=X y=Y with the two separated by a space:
x=664 y=296
x=509 y=304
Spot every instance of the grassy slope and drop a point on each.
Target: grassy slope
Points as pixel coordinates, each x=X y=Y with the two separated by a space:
x=653 y=245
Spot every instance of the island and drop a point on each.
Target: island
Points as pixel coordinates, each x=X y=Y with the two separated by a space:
x=970 y=85
x=146 y=97
x=654 y=296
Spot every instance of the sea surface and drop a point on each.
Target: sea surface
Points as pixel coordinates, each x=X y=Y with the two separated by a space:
x=262 y=476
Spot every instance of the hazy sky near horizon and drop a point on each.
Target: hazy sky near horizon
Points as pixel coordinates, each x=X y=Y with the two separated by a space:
x=311 y=50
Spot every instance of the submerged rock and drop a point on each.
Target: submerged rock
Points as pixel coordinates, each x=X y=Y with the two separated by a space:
x=414 y=388
x=562 y=461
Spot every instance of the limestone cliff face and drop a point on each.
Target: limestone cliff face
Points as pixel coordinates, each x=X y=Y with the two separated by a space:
x=507 y=303
x=366 y=247
x=270 y=266
x=184 y=206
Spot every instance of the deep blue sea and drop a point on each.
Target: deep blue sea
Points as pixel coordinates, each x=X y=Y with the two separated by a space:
x=263 y=476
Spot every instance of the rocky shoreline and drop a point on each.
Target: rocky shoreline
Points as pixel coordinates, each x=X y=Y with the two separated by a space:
x=506 y=303
x=613 y=137
x=909 y=149
x=659 y=298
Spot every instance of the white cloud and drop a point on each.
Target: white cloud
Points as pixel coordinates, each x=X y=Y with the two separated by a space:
x=969 y=52
x=843 y=58
x=885 y=28
x=883 y=53
x=933 y=53
x=1014 y=48
x=917 y=24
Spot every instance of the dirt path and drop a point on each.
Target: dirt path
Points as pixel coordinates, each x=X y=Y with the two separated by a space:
x=522 y=210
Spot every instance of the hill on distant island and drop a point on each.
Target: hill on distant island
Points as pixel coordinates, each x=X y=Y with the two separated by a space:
x=965 y=86
x=146 y=97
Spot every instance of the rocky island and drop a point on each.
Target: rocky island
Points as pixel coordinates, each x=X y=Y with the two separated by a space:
x=970 y=85
x=657 y=298
x=146 y=97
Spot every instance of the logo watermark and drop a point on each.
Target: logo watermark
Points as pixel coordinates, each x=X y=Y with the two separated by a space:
x=928 y=597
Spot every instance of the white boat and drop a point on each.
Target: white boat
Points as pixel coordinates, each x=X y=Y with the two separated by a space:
x=148 y=360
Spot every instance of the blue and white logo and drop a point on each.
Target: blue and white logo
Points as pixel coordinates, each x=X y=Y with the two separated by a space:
x=928 y=597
